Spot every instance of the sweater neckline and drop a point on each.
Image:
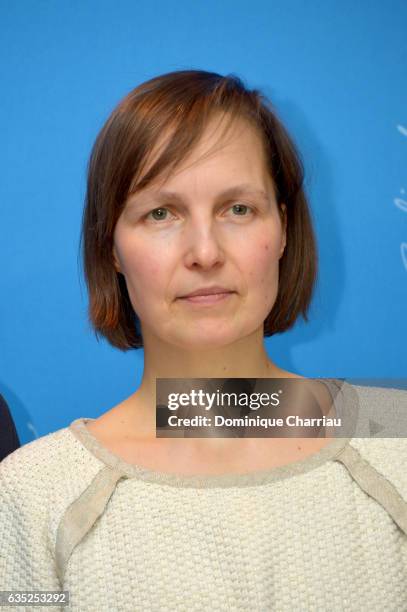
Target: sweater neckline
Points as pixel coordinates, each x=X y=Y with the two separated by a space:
x=343 y=407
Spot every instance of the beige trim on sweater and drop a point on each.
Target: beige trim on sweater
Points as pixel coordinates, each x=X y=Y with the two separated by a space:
x=375 y=485
x=81 y=515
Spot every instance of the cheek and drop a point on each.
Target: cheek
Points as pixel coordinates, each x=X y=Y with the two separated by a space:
x=262 y=263
x=144 y=271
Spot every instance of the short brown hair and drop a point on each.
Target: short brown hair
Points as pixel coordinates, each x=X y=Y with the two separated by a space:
x=183 y=101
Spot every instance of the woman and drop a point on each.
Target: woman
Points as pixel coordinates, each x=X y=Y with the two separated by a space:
x=194 y=186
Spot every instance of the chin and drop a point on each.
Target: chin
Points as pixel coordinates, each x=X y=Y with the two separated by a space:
x=202 y=344
x=208 y=337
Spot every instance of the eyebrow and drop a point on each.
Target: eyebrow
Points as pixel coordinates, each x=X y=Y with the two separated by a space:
x=163 y=196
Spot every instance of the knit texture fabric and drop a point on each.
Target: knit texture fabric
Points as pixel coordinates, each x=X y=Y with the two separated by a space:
x=328 y=533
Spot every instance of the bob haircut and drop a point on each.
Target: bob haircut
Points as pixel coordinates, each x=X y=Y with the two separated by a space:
x=180 y=104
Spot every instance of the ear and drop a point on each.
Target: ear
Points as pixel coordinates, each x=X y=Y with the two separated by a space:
x=116 y=261
x=283 y=215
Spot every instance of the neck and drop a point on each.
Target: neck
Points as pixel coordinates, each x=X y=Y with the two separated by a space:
x=246 y=358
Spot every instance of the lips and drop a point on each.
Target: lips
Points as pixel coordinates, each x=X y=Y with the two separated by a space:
x=210 y=299
x=214 y=290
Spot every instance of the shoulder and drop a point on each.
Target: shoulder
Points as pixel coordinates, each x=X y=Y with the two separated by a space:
x=381 y=412
x=381 y=395
x=46 y=467
x=387 y=457
x=376 y=455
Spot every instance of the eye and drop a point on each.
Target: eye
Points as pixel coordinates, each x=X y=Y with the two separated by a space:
x=158 y=212
x=241 y=208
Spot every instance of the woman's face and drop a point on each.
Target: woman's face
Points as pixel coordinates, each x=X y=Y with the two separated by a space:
x=214 y=221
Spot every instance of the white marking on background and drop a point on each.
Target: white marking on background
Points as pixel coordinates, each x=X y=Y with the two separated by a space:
x=403 y=249
x=402 y=204
x=32 y=428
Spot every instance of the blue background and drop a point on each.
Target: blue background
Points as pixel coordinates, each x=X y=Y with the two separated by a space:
x=336 y=72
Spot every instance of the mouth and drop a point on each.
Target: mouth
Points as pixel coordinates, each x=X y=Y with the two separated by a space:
x=212 y=298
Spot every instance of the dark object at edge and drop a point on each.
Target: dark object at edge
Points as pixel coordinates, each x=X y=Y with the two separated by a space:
x=9 y=440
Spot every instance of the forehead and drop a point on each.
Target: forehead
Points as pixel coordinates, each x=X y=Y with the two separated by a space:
x=239 y=149
x=226 y=151
x=223 y=137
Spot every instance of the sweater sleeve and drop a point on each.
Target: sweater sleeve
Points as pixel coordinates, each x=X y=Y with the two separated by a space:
x=26 y=558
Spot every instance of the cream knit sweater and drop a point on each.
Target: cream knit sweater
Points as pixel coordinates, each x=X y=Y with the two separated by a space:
x=328 y=533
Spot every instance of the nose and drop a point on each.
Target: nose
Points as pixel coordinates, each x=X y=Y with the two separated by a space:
x=203 y=245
